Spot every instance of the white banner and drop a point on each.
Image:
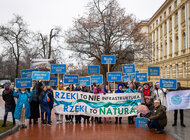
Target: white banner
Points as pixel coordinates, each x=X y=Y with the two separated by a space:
x=83 y=103
x=178 y=99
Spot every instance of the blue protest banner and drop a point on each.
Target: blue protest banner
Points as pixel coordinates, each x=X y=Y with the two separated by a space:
x=128 y=68
x=153 y=71
x=114 y=76
x=71 y=79
x=58 y=68
x=141 y=77
x=141 y=123
x=97 y=79
x=125 y=78
x=44 y=76
x=84 y=81
x=27 y=73
x=23 y=83
x=108 y=59
x=168 y=83
x=52 y=82
x=132 y=76
x=93 y=69
x=137 y=71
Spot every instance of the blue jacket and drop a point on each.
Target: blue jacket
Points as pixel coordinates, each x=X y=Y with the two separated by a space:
x=119 y=91
x=22 y=100
x=131 y=90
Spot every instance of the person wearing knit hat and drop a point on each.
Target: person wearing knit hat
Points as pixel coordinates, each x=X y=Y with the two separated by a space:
x=9 y=103
x=119 y=90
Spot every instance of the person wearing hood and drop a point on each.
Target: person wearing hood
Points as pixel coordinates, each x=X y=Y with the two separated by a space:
x=146 y=91
x=119 y=90
x=22 y=106
x=158 y=118
x=9 y=103
x=160 y=94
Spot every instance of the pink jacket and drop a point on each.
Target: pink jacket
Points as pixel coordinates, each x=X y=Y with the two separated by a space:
x=98 y=91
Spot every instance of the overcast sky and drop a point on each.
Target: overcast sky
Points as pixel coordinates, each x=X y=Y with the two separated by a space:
x=41 y=15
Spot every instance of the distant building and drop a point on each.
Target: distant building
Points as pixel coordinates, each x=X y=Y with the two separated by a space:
x=169 y=32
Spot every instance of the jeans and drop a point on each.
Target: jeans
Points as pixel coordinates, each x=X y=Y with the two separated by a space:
x=155 y=124
x=48 y=116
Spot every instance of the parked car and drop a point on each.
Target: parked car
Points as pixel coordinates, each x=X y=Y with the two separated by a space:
x=3 y=82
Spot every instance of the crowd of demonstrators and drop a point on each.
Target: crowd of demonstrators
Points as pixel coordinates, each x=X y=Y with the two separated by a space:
x=40 y=98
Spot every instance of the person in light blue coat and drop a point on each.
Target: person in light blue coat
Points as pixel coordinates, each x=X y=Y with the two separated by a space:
x=23 y=100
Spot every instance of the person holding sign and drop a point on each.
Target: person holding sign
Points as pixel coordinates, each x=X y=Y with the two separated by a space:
x=146 y=91
x=44 y=99
x=22 y=110
x=9 y=103
x=160 y=94
x=119 y=90
x=131 y=89
x=98 y=90
x=59 y=117
x=181 y=110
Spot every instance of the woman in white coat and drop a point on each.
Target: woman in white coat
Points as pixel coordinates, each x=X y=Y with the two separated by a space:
x=160 y=94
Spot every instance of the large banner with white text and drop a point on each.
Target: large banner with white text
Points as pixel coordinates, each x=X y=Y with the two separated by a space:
x=109 y=105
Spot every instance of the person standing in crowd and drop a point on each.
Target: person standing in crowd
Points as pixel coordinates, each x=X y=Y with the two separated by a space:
x=22 y=110
x=98 y=90
x=78 y=117
x=69 y=118
x=106 y=91
x=150 y=85
x=131 y=89
x=50 y=94
x=146 y=91
x=119 y=90
x=158 y=118
x=59 y=117
x=160 y=94
x=181 y=110
x=86 y=118
x=44 y=99
x=149 y=104
x=9 y=103
x=34 y=105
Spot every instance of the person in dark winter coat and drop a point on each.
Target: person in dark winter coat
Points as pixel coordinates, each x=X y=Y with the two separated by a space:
x=45 y=98
x=158 y=118
x=181 y=110
x=119 y=90
x=34 y=104
x=9 y=104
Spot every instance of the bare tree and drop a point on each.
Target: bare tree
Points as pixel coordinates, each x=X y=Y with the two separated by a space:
x=15 y=35
x=106 y=29
x=48 y=45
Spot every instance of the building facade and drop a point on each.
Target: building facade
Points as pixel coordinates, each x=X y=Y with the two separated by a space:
x=169 y=31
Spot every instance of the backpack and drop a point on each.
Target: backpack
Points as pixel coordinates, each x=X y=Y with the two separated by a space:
x=46 y=99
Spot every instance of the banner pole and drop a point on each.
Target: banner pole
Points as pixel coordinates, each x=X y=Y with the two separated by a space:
x=58 y=79
x=108 y=81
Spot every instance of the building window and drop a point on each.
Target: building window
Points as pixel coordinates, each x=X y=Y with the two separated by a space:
x=161 y=72
x=184 y=41
x=177 y=44
x=166 y=72
x=170 y=9
x=176 y=19
x=171 y=46
x=170 y=71
x=170 y=24
x=183 y=14
x=177 y=70
x=156 y=22
x=175 y=3
x=165 y=27
x=160 y=18
x=164 y=14
x=184 y=70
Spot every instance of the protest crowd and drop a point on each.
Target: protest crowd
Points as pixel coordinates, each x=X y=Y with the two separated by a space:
x=38 y=101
